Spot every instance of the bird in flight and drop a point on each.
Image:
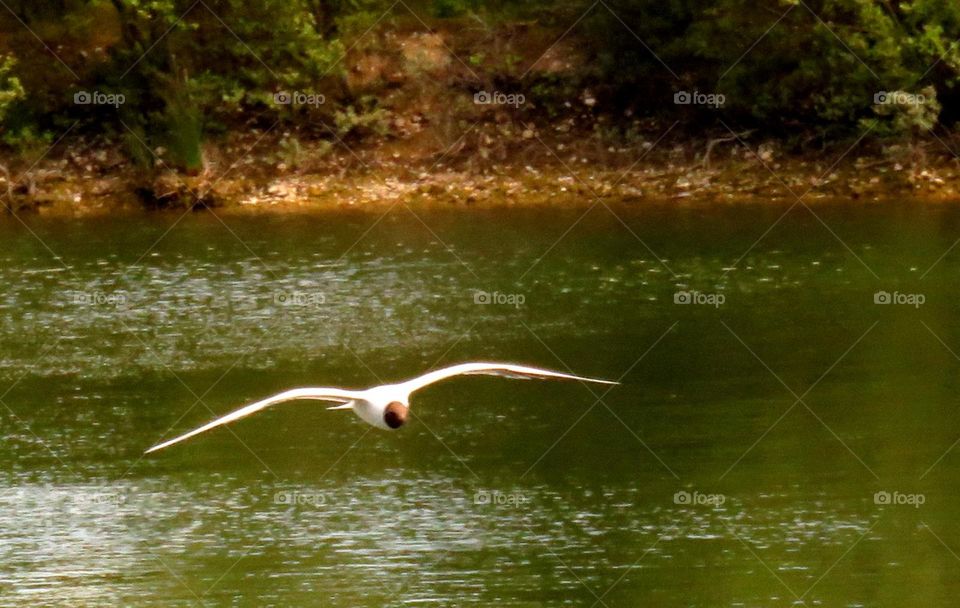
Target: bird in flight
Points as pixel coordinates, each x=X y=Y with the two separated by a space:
x=387 y=406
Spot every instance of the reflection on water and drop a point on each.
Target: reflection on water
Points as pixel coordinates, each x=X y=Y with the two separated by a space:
x=766 y=447
x=379 y=538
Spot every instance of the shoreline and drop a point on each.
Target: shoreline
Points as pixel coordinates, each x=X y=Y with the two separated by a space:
x=75 y=194
x=246 y=173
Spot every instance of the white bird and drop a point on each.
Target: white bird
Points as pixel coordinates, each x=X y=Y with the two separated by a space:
x=387 y=406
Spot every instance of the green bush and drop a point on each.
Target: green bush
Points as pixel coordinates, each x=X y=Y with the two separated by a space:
x=11 y=90
x=808 y=69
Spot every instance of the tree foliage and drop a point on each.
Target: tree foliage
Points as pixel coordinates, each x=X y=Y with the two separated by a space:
x=784 y=66
x=186 y=68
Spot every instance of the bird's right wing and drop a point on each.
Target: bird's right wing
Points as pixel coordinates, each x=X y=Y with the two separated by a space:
x=334 y=395
x=507 y=370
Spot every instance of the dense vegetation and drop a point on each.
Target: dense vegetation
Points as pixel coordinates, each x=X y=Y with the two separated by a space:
x=186 y=70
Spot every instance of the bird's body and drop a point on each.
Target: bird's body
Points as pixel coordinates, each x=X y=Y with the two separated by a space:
x=387 y=406
x=372 y=407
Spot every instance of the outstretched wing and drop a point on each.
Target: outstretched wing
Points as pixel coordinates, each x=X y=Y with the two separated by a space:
x=335 y=395
x=507 y=370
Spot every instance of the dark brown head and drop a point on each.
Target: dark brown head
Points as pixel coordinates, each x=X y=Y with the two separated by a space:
x=395 y=415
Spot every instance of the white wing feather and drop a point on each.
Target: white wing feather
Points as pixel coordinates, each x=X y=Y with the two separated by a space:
x=335 y=395
x=507 y=370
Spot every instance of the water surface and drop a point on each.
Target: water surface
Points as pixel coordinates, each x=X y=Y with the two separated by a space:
x=737 y=465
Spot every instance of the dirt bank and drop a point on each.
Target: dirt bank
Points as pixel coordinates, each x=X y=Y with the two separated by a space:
x=541 y=171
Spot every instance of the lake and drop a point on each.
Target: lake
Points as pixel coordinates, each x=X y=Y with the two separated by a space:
x=784 y=433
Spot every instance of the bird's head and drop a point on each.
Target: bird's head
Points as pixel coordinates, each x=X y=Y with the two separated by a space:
x=395 y=414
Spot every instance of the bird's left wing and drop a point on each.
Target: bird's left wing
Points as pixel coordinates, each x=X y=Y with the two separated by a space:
x=335 y=395
x=507 y=370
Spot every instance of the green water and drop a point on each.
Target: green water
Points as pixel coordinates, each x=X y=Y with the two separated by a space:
x=117 y=333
